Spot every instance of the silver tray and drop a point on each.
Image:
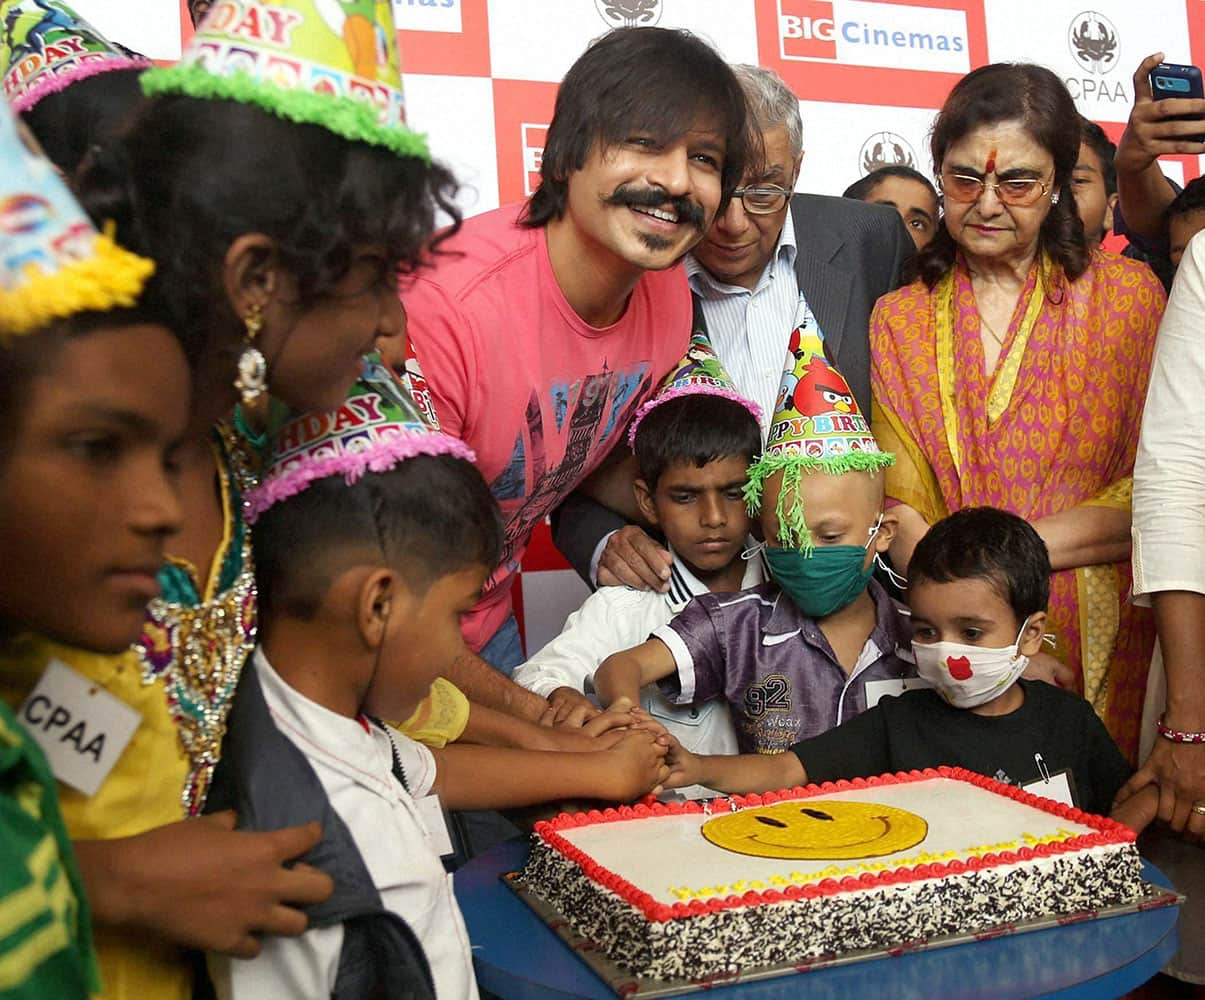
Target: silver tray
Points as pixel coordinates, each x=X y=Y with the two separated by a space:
x=625 y=984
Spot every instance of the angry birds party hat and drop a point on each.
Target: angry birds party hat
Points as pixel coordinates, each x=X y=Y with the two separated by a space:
x=332 y=63
x=53 y=262
x=377 y=427
x=817 y=427
x=45 y=46
x=698 y=373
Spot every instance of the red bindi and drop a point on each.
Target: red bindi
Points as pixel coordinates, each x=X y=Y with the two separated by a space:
x=990 y=165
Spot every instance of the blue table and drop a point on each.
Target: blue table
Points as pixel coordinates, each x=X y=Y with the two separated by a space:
x=519 y=958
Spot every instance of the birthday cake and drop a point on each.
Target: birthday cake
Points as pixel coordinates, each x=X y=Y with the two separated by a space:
x=696 y=890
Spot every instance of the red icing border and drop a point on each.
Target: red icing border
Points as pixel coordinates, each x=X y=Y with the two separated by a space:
x=1108 y=832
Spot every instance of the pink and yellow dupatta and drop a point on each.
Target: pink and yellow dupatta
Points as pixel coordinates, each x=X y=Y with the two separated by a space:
x=1055 y=426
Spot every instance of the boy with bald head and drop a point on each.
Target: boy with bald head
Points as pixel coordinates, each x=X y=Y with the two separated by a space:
x=792 y=657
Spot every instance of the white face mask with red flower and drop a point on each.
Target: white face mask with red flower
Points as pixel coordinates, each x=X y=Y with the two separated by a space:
x=967 y=676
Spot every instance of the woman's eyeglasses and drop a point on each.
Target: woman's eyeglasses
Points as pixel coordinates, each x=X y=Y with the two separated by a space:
x=1021 y=191
x=762 y=200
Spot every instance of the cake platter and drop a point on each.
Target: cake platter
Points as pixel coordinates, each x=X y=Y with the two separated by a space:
x=625 y=984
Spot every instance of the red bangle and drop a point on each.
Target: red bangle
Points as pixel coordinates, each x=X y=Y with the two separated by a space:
x=1178 y=735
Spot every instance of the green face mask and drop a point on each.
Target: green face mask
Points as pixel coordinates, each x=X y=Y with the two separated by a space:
x=827 y=580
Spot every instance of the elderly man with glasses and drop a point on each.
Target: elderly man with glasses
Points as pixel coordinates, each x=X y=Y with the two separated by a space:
x=771 y=262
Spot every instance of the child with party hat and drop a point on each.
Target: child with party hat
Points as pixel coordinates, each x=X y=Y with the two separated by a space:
x=694 y=442
x=979 y=583
x=94 y=393
x=794 y=657
x=277 y=234
x=372 y=535
x=69 y=83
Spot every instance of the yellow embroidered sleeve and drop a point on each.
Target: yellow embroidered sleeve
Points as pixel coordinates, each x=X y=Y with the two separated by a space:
x=441 y=717
x=911 y=479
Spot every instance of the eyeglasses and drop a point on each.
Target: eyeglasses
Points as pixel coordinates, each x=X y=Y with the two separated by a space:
x=1020 y=191
x=762 y=200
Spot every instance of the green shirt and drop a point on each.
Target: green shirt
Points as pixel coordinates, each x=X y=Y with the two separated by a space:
x=45 y=931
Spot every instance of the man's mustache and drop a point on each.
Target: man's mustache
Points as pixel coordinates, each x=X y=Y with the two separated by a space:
x=641 y=197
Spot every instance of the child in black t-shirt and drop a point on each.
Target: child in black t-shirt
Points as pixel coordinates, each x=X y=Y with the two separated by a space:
x=978 y=586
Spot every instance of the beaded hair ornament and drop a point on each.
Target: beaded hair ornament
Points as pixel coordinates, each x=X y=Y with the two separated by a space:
x=377 y=427
x=53 y=262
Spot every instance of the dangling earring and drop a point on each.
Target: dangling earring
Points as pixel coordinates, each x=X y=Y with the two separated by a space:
x=1054 y=198
x=252 y=379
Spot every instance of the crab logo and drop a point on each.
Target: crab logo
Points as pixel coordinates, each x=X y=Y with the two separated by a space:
x=629 y=13
x=885 y=149
x=1093 y=40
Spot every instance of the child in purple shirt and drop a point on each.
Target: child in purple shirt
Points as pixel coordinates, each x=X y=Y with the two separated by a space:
x=793 y=658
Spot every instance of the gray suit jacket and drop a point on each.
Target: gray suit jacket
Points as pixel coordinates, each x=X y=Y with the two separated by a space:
x=848 y=254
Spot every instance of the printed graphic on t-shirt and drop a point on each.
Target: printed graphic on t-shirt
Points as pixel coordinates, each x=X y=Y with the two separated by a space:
x=588 y=414
x=771 y=695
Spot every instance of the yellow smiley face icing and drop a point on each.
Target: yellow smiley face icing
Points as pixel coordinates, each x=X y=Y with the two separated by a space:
x=817 y=830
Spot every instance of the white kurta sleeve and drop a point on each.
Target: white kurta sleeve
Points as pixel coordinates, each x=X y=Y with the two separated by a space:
x=1169 y=472
x=609 y=620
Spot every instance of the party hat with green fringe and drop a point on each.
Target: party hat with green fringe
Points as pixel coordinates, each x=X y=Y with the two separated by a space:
x=332 y=63
x=817 y=427
x=53 y=262
x=45 y=46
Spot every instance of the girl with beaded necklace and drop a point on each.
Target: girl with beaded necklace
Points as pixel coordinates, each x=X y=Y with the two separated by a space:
x=278 y=211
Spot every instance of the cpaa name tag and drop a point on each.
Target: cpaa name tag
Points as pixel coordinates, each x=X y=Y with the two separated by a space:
x=431 y=815
x=81 y=727
x=894 y=687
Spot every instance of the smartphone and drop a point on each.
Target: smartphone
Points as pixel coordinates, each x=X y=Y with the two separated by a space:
x=1177 y=80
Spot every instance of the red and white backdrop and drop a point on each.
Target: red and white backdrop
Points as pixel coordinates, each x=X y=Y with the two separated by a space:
x=481 y=78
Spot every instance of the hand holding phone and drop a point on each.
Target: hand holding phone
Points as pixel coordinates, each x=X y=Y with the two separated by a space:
x=1179 y=83
x=1150 y=133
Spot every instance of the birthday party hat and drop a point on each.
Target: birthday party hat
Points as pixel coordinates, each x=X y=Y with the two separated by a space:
x=332 y=63
x=46 y=46
x=378 y=426
x=817 y=427
x=698 y=373
x=53 y=262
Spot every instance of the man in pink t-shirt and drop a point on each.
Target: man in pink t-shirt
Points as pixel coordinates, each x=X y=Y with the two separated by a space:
x=542 y=327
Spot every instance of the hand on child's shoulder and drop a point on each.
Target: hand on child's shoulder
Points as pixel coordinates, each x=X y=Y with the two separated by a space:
x=1045 y=667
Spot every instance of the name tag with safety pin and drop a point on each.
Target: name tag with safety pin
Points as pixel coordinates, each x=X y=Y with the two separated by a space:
x=1058 y=785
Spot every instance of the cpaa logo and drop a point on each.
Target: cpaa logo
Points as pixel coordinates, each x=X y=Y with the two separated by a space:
x=629 y=13
x=885 y=149
x=1095 y=45
x=866 y=33
x=1092 y=39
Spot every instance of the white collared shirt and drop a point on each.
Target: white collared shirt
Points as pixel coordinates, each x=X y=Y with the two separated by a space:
x=617 y=618
x=749 y=329
x=355 y=766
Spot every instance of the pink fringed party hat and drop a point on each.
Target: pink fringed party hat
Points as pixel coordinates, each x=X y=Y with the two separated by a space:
x=378 y=426
x=699 y=372
x=45 y=46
